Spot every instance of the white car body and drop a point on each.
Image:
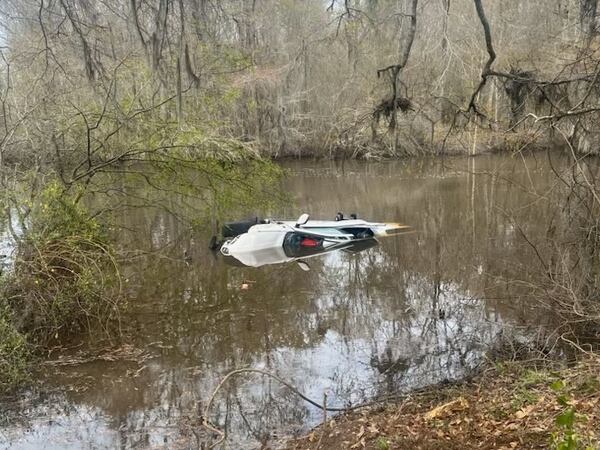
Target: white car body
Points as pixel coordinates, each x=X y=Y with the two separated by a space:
x=264 y=243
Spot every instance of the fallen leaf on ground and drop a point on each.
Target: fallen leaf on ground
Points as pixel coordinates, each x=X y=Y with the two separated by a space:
x=361 y=432
x=373 y=429
x=524 y=412
x=455 y=405
x=360 y=443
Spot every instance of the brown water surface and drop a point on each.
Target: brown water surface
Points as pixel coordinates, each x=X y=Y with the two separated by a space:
x=416 y=310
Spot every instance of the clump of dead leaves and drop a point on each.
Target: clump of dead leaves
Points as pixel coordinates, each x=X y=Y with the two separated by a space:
x=506 y=407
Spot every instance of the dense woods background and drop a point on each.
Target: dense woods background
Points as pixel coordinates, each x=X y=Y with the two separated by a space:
x=295 y=77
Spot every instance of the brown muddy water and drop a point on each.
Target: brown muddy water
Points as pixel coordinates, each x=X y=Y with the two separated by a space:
x=414 y=311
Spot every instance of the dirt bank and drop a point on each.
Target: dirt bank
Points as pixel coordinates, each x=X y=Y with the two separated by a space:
x=508 y=406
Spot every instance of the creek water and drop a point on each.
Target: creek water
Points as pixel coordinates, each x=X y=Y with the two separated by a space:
x=416 y=310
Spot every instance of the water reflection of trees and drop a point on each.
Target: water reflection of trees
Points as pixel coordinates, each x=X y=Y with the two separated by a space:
x=416 y=310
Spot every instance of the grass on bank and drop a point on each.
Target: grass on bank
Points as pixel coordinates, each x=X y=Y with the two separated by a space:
x=506 y=407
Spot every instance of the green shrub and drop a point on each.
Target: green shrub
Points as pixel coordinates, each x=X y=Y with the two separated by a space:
x=382 y=443
x=565 y=436
x=14 y=353
x=57 y=214
x=65 y=278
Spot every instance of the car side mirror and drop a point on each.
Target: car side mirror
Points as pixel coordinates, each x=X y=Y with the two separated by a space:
x=304 y=266
x=302 y=219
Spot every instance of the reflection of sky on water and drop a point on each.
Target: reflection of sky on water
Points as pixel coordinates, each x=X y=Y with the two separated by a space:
x=56 y=429
x=7 y=243
x=406 y=314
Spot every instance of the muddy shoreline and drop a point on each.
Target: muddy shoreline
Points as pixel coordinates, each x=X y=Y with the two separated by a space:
x=508 y=405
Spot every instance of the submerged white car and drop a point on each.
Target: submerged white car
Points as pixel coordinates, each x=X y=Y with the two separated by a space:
x=280 y=241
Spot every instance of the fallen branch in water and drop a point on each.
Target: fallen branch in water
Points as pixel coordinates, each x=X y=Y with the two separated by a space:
x=206 y=423
x=126 y=352
x=394 y=397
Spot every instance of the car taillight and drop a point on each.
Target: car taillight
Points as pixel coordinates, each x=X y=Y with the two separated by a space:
x=309 y=242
